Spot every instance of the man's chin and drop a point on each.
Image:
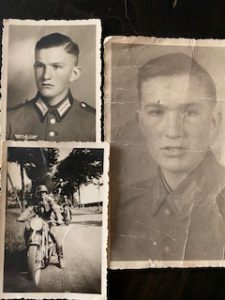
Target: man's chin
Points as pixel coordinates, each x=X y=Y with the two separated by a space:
x=175 y=169
x=180 y=167
x=46 y=94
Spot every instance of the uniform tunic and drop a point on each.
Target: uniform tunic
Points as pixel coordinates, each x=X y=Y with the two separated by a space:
x=48 y=211
x=69 y=120
x=185 y=224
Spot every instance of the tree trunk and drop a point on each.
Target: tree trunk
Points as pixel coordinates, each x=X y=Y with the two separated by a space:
x=72 y=199
x=15 y=193
x=98 y=200
x=79 y=200
x=23 y=186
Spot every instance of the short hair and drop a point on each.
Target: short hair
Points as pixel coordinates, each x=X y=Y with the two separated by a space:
x=175 y=64
x=56 y=40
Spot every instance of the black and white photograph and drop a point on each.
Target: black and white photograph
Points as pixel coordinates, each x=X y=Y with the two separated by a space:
x=164 y=111
x=51 y=80
x=55 y=214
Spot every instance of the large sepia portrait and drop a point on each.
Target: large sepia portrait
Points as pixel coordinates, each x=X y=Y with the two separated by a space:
x=51 y=80
x=164 y=111
x=54 y=220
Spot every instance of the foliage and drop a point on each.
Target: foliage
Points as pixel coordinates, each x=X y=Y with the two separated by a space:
x=37 y=162
x=82 y=166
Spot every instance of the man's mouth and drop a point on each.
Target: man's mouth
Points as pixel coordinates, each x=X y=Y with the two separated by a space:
x=46 y=85
x=173 y=150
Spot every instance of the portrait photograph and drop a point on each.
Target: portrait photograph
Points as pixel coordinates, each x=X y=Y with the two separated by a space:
x=51 y=80
x=164 y=118
x=54 y=220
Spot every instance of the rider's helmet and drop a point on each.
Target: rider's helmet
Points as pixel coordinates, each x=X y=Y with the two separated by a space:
x=41 y=189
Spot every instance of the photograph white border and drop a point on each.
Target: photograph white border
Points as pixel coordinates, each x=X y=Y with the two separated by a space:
x=140 y=40
x=4 y=70
x=104 y=239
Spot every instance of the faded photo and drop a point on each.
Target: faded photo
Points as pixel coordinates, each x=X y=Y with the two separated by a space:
x=55 y=221
x=51 y=85
x=164 y=119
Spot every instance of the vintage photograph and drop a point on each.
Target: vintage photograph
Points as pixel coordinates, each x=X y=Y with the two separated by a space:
x=164 y=111
x=51 y=80
x=55 y=201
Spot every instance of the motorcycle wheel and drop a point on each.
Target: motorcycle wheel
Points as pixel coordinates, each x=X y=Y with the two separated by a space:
x=34 y=270
x=67 y=216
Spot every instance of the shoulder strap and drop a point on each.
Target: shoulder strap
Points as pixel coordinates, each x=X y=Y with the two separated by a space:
x=87 y=107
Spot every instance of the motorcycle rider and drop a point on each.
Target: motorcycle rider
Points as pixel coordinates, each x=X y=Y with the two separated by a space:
x=66 y=209
x=66 y=201
x=45 y=207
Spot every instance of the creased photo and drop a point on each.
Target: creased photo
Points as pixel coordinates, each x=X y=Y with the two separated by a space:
x=51 y=80
x=165 y=121
x=55 y=199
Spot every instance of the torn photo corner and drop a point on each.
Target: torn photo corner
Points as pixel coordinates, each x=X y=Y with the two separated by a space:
x=164 y=118
x=54 y=220
x=51 y=79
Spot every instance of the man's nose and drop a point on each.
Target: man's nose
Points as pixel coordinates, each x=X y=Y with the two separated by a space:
x=174 y=125
x=47 y=73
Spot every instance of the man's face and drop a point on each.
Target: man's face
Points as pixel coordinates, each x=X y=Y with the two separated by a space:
x=178 y=121
x=42 y=197
x=54 y=70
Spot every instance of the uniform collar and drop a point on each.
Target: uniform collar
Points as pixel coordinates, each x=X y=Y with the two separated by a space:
x=59 y=110
x=160 y=193
x=194 y=189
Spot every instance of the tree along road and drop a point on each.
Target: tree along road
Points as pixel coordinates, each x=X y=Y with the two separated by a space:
x=82 y=256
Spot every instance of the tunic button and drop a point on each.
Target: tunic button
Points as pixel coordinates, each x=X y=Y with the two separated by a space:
x=167 y=212
x=166 y=249
x=154 y=243
x=51 y=133
x=52 y=121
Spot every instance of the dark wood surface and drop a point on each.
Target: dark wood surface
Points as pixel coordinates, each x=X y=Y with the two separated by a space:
x=189 y=18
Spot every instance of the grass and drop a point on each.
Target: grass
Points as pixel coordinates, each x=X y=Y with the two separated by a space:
x=14 y=232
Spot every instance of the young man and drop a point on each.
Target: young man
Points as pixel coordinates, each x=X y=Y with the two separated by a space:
x=180 y=214
x=45 y=207
x=53 y=114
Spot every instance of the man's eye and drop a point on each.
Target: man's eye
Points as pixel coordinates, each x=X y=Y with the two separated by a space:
x=57 y=67
x=192 y=112
x=155 y=112
x=38 y=66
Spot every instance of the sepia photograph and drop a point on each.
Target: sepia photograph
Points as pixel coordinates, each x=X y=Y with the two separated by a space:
x=164 y=112
x=51 y=80
x=55 y=219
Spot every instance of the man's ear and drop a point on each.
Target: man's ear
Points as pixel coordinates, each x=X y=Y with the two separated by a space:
x=216 y=121
x=76 y=72
x=138 y=119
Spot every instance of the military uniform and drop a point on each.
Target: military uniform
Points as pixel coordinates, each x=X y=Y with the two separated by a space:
x=69 y=120
x=48 y=211
x=185 y=224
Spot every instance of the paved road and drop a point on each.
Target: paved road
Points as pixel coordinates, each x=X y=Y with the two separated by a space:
x=82 y=251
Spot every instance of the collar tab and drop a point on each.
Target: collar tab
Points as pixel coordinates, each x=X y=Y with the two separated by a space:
x=59 y=110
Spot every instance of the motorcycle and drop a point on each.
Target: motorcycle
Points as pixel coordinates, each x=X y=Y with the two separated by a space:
x=40 y=248
x=66 y=213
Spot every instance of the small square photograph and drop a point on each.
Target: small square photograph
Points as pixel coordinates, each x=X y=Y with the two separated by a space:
x=51 y=80
x=55 y=220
